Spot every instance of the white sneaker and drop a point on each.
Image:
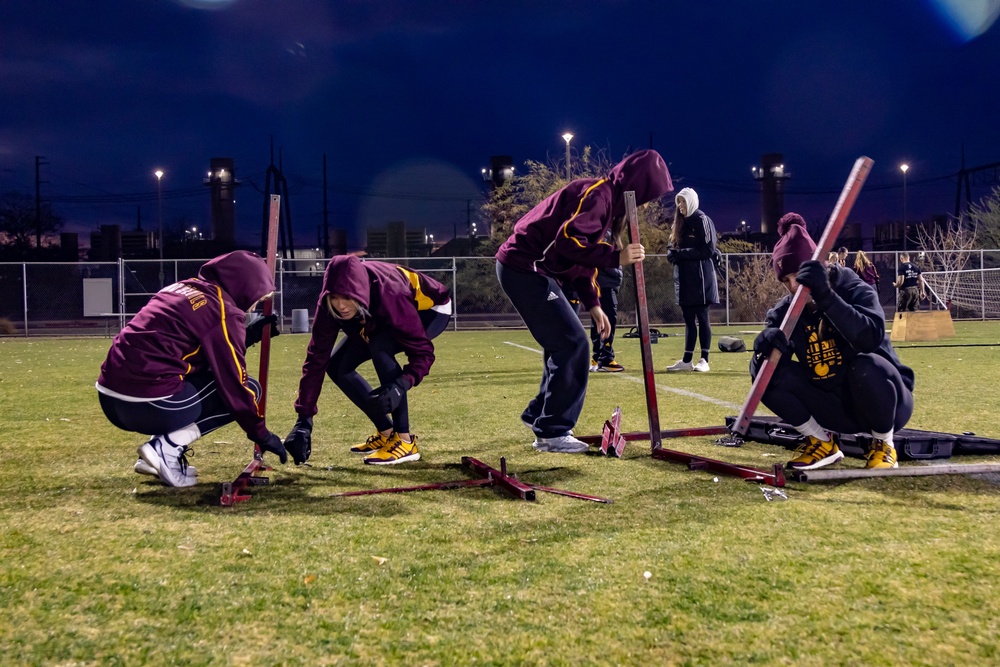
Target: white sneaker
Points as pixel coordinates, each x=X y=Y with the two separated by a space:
x=143 y=468
x=563 y=444
x=681 y=366
x=701 y=366
x=168 y=461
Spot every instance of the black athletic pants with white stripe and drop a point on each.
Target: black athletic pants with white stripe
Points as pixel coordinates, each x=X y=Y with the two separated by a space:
x=198 y=402
x=554 y=324
x=872 y=396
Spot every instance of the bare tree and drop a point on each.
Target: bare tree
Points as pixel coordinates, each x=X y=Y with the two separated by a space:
x=20 y=221
x=947 y=250
x=984 y=219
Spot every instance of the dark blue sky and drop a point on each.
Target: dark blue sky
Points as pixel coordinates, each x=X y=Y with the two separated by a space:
x=408 y=100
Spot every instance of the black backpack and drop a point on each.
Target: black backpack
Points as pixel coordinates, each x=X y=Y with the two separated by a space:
x=732 y=344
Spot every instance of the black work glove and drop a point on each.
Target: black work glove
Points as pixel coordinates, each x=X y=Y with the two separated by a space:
x=815 y=276
x=387 y=398
x=272 y=443
x=255 y=327
x=672 y=255
x=299 y=440
x=771 y=338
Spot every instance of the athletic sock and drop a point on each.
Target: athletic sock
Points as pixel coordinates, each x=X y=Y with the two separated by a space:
x=885 y=437
x=184 y=436
x=704 y=354
x=688 y=356
x=813 y=429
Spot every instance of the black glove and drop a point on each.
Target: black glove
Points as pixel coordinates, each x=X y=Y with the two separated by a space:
x=387 y=398
x=771 y=338
x=272 y=443
x=672 y=255
x=815 y=276
x=299 y=441
x=255 y=327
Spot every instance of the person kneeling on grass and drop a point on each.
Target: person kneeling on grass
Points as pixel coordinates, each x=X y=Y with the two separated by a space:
x=383 y=309
x=563 y=240
x=177 y=370
x=846 y=377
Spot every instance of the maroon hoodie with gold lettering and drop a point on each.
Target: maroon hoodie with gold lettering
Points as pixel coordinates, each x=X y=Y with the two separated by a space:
x=393 y=297
x=194 y=326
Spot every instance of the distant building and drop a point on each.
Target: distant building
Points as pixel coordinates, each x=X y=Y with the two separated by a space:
x=771 y=174
x=222 y=182
x=396 y=241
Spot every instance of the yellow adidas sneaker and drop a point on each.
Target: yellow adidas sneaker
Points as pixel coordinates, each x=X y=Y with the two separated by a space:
x=881 y=455
x=395 y=452
x=815 y=453
x=373 y=443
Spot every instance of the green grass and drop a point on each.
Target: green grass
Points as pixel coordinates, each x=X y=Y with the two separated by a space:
x=99 y=566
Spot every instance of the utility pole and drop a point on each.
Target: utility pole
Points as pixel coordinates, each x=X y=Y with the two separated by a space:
x=326 y=216
x=39 y=161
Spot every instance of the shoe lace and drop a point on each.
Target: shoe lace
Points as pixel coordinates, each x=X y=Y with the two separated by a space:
x=809 y=447
x=373 y=439
x=182 y=459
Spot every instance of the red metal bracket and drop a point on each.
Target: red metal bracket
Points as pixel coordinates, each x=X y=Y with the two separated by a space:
x=612 y=442
x=233 y=492
x=488 y=476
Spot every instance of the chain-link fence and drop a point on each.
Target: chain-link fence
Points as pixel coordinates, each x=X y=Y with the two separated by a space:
x=98 y=298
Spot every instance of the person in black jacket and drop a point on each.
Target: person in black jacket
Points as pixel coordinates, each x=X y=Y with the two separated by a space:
x=845 y=377
x=693 y=253
x=610 y=283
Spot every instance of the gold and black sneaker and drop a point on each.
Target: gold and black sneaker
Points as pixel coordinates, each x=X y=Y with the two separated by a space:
x=815 y=453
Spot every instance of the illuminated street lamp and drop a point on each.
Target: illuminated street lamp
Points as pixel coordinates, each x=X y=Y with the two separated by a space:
x=904 y=168
x=159 y=204
x=568 y=137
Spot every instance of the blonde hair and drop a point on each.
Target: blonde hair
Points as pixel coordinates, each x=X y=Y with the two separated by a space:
x=833 y=258
x=861 y=261
x=361 y=310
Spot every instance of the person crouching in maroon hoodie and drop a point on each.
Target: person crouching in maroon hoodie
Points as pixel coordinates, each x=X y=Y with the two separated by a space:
x=177 y=370
x=561 y=241
x=383 y=309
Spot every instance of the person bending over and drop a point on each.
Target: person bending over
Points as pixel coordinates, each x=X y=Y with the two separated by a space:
x=383 y=309
x=177 y=370
x=563 y=240
x=845 y=376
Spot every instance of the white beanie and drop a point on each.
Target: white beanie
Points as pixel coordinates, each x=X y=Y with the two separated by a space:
x=690 y=198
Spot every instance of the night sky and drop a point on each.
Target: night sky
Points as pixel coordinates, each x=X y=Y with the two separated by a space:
x=409 y=100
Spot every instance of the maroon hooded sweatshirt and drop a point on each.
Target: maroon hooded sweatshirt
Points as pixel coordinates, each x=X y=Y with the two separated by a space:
x=563 y=237
x=393 y=297
x=194 y=326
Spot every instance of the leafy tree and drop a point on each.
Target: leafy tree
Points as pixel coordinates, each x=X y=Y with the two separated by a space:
x=508 y=203
x=18 y=225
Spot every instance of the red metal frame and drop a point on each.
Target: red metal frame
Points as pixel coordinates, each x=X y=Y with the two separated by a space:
x=642 y=315
x=488 y=476
x=848 y=196
x=233 y=492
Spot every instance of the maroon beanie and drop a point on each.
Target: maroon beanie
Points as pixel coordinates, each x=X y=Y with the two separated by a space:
x=794 y=245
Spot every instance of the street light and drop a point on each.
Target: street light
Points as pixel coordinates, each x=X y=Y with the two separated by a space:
x=904 y=168
x=568 y=137
x=159 y=205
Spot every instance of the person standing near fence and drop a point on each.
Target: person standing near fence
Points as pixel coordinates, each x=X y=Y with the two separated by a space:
x=845 y=376
x=866 y=269
x=563 y=240
x=177 y=370
x=383 y=309
x=910 y=284
x=693 y=253
x=610 y=283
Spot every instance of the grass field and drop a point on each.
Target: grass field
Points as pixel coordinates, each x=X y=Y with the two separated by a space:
x=99 y=566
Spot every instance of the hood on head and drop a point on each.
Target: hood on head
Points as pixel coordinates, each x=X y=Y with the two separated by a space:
x=345 y=275
x=793 y=247
x=241 y=274
x=690 y=198
x=643 y=171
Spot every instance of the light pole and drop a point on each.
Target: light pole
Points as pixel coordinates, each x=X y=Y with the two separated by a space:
x=159 y=215
x=904 y=168
x=568 y=137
